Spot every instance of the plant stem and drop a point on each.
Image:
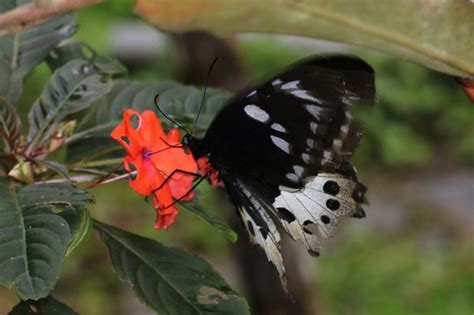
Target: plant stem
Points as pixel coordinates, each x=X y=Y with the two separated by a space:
x=97 y=163
x=80 y=135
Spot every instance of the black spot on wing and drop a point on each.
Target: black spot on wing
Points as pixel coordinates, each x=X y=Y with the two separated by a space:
x=250 y=228
x=359 y=213
x=325 y=219
x=286 y=215
x=333 y=204
x=359 y=193
x=306 y=225
x=331 y=187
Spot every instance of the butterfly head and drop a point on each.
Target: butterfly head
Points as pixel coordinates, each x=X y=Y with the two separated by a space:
x=193 y=144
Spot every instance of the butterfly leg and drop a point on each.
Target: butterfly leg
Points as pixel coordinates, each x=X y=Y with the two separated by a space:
x=188 y=192
x=170 y=176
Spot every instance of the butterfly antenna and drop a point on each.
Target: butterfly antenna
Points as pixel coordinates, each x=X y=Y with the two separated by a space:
x=166 y=116
x=204 y=94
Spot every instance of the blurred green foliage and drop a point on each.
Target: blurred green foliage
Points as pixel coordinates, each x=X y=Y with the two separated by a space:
x=397 y=274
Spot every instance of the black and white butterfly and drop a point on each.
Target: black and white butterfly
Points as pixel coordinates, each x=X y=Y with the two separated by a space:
x=279 y=150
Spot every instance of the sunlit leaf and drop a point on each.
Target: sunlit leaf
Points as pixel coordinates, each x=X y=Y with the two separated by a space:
x=169 y=280
x=435 y=34
x=46 y=306
x=39 y=224
x=21 y=52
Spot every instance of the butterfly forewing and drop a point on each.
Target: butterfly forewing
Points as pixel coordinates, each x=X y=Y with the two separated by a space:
x=278 y=132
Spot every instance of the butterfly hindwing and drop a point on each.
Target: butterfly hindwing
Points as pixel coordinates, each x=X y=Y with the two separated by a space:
x=312 y=213
x=254 y=212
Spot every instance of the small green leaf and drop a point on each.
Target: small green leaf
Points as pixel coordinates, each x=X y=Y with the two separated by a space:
x=23 y=51
x=72 y=88
x=80 y=224
x=76 y=50
x=59 y=168
x=38 y=225
x=195 y=206
x=169 y=280
x=10 y=123
x=46 y=306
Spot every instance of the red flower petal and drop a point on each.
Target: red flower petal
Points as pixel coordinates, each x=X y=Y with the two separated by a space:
x=165 y=212
x=154 y=156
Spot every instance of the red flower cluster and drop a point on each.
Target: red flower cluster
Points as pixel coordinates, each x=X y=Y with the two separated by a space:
x=155 y=156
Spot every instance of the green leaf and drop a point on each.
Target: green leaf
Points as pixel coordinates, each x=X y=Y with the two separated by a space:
x=435 y=34
x=195 y=206
x=10 y=123
x=38 y=225
x=23 y=51
x=59 y=168
x=46 y=306
x=72 y=88
x=178 y=101
x=169 y=280
x=76 y=50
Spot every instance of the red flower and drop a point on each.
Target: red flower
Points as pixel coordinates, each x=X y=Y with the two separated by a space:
x=155 y=156
x=468 y=86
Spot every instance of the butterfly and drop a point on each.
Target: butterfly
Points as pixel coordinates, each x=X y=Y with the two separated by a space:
x=280 y=152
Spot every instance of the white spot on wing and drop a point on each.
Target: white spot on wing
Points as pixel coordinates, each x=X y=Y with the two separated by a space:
x=306 y=158
x=252 y=93
x=281 y=143
x=292 y=85
x=314 y=110
x=278 y=127
x=277 y=81
x=345 y=129
x=298 y=170
x=310 y=143
x=255 y=112
x=292 y=177
x=327 y=155
x=304 y=95
x=313 y=126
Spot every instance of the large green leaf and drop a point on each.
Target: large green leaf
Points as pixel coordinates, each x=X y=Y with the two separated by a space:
x=169 y=280
x=46 y=306
x=39 y=224
x=73 y=87
x=178 y=101
x=22 y=51
x=436 y=34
